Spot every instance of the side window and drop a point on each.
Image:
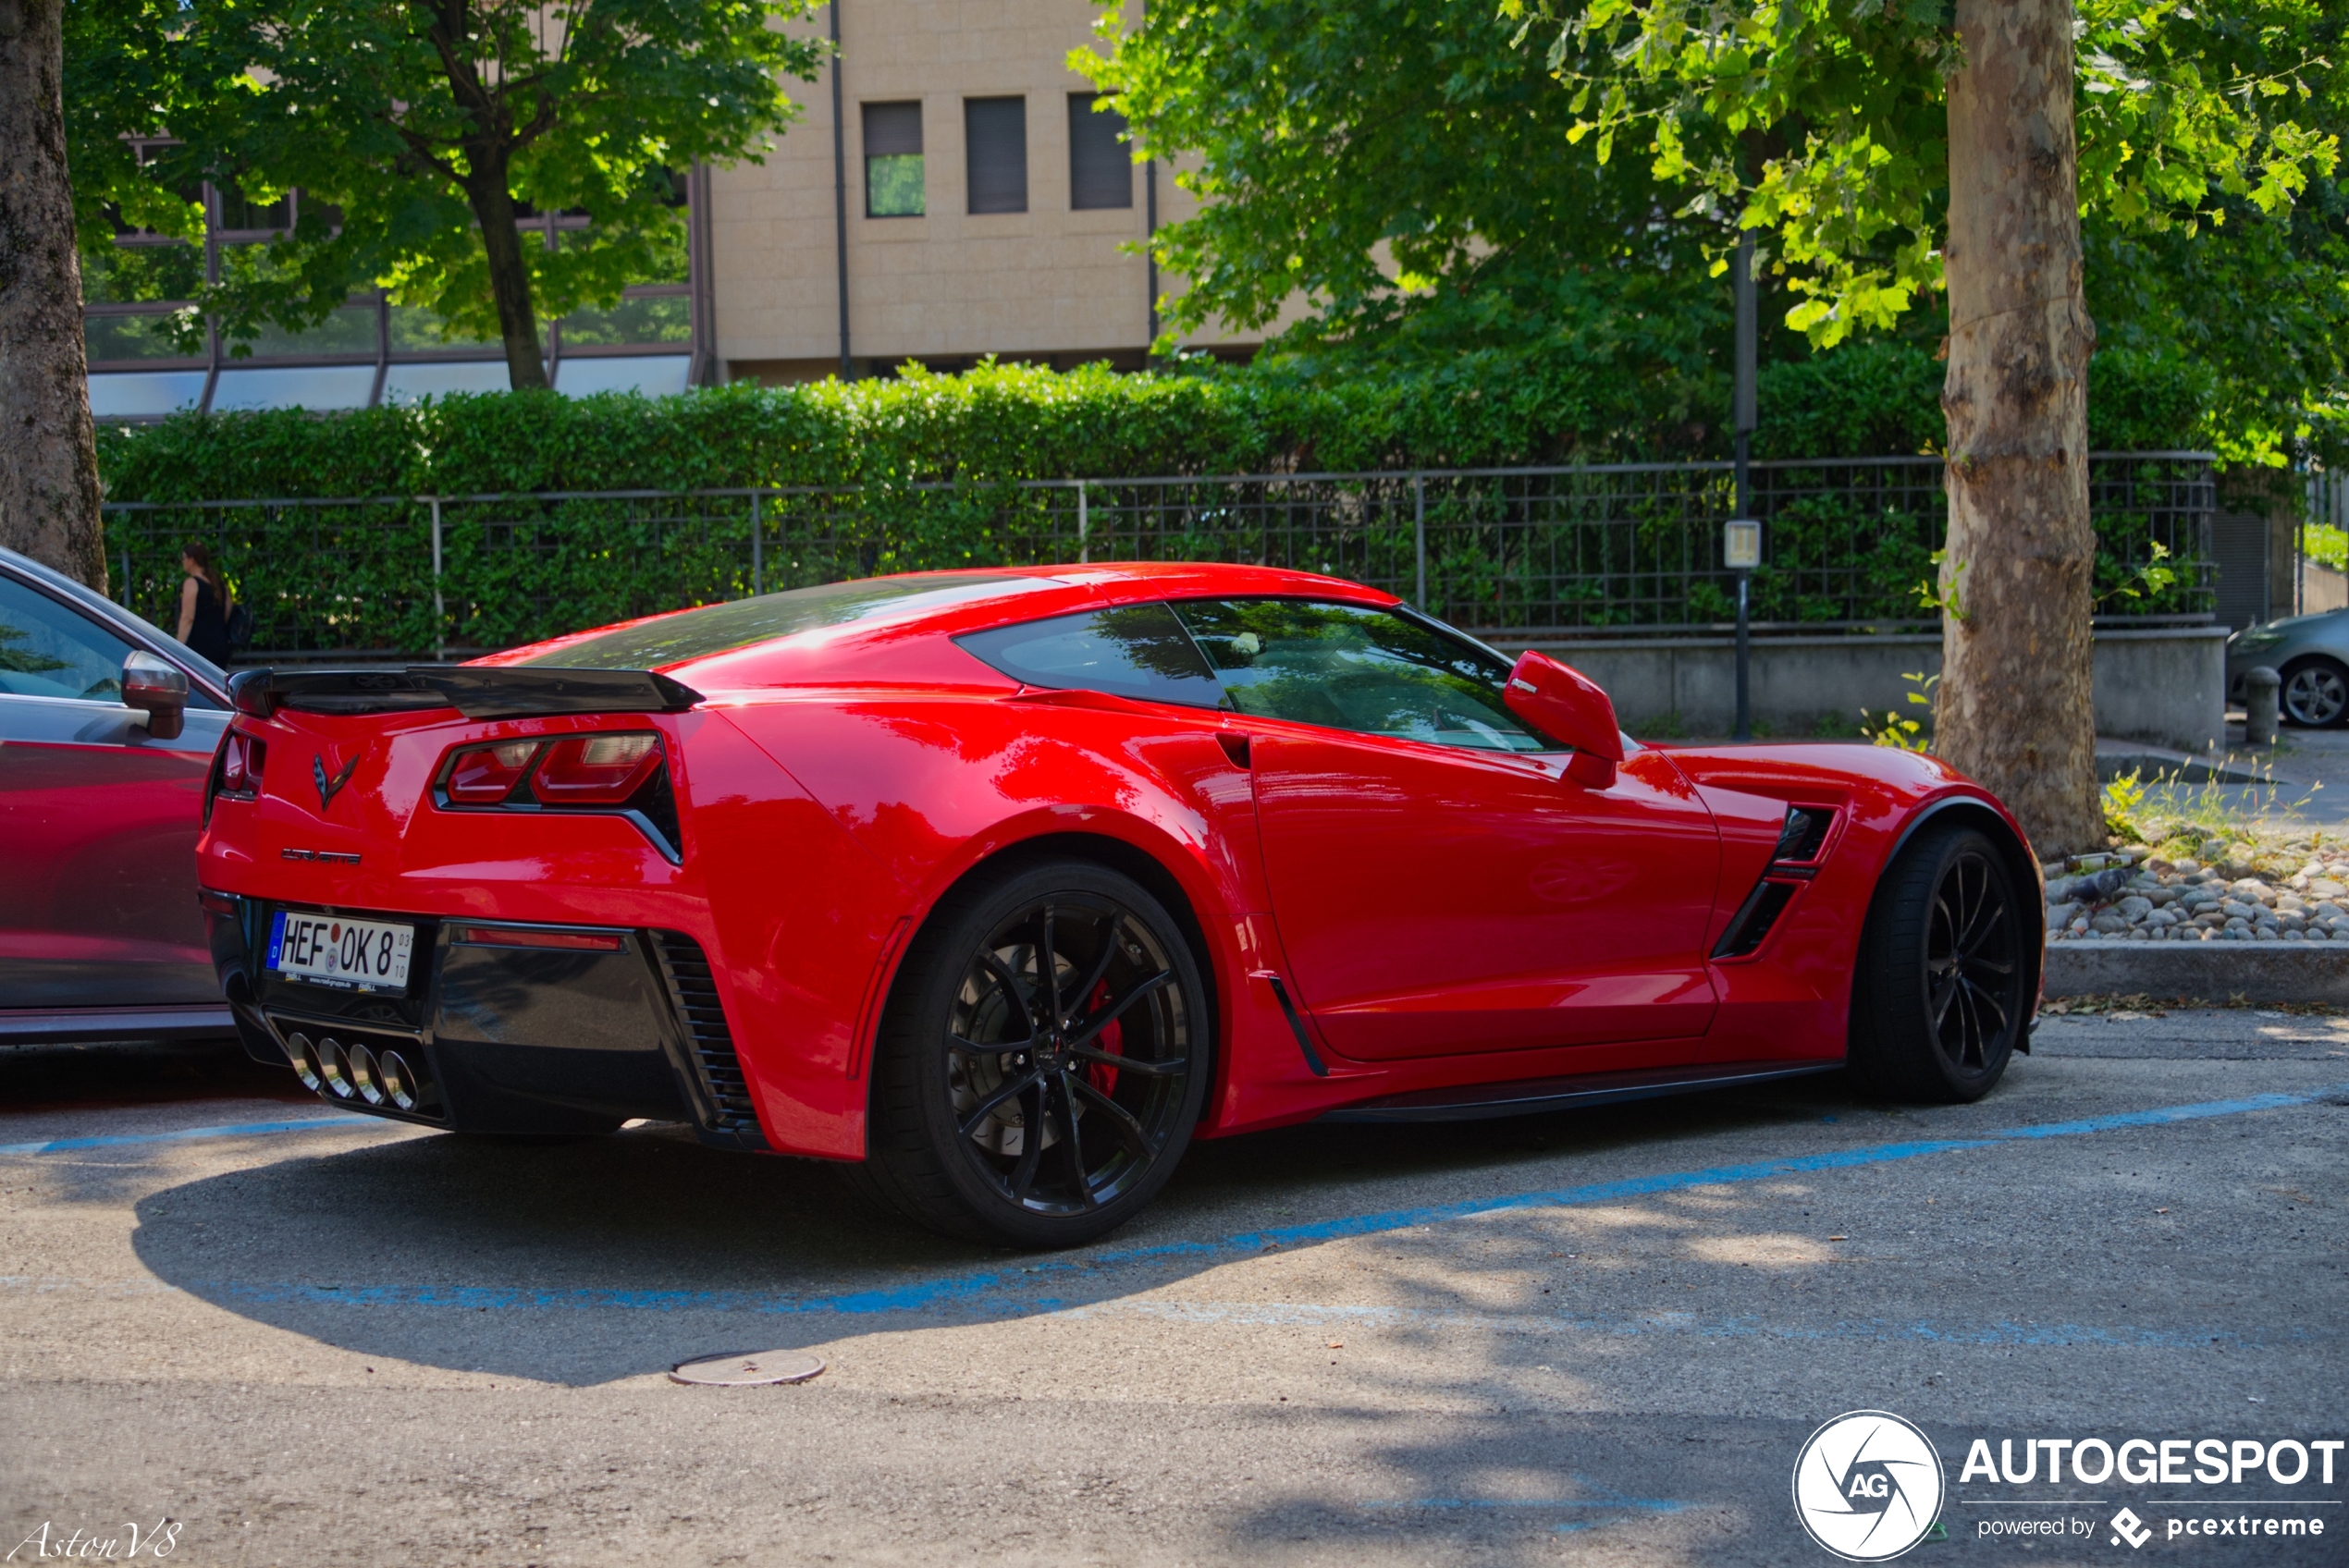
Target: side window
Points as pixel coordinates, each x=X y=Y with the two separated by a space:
x=1135 y=651
x=47 y=650
x=1349 y=667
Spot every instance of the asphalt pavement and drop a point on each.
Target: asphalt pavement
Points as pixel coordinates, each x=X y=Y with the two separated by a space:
x=288 y=1335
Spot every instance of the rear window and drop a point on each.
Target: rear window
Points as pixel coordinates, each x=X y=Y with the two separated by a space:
x=718 y=629
x=1133 y=650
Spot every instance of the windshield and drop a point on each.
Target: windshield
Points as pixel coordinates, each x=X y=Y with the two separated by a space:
x=718 y=629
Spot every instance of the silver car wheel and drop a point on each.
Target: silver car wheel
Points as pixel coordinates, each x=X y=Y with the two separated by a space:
x=2314 y=695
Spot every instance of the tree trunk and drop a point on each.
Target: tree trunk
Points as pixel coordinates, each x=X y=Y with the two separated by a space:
x=2015 y=708
x=48 y=451
x=492 y=205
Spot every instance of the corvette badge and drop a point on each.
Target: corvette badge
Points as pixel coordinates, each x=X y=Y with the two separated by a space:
x=329 y=787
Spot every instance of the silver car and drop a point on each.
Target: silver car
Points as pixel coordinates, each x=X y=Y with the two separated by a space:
x=2311 y=651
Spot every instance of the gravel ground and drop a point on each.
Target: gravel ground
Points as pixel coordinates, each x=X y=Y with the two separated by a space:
x=2256 y=893
x=1594 y=1337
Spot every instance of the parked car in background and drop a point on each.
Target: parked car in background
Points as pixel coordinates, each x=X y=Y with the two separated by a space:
x=1008 y=883
x=107 y=729
x=2311 y=651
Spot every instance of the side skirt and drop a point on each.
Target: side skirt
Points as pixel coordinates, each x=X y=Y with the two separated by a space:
x=73 y=1024
x=1532 y=1097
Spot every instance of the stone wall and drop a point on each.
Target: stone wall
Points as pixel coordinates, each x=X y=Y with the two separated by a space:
x=2165 y=685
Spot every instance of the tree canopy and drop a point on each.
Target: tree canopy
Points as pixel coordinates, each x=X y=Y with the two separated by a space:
x=417 y=131
x=1429 y=176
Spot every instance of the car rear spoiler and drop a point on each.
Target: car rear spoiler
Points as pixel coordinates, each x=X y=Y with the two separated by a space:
x=475 y=691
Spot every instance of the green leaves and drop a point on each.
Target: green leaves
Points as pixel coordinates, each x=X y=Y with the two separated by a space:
x=386 y=115
x=1820 y=118
x=1341 y=146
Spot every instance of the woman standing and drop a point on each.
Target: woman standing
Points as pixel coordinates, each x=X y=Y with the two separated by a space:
x=204 y=605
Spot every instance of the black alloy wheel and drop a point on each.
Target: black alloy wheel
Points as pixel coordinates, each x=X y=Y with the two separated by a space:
x=1941 y=997
x=1042 y=1060
x=1971 y=963
x=2314 y=693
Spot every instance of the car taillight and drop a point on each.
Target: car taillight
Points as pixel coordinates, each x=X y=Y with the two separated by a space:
x=241 y=760
x=482 y=776
x=598 y=770
x=620 y=774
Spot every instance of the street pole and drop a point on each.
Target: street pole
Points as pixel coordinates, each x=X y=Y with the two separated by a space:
x=1741 y=282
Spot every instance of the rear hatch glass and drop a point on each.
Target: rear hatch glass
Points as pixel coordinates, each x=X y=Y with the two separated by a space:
x=718 y=629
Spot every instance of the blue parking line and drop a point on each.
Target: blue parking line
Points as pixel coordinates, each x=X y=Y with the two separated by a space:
x=351 y=1122
x=1028 y=1288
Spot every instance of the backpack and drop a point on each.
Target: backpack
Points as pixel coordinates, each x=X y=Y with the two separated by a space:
x=239 y=625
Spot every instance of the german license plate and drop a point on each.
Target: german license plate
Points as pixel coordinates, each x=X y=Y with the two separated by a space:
x=350 y=955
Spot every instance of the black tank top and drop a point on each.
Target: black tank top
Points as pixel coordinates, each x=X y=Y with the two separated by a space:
x=208 y=634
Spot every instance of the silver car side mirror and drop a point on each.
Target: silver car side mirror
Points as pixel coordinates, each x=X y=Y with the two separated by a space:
x=160 y=689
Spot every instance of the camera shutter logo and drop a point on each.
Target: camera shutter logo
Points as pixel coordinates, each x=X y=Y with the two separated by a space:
x=1869 y=1485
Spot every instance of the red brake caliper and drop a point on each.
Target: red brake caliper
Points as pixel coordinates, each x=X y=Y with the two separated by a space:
x=1110 y=1040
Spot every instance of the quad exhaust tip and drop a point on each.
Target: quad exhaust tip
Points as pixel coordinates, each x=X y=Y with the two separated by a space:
x=327 y=1067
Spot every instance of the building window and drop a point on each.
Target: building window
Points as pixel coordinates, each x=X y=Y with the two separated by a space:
x=240 y=216
x=149 y=353
x=1101 y=164
x=995 y=141
x=893 y=161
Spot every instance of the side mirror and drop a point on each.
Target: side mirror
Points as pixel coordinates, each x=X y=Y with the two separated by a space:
x=160 y=689
x=1567 y=705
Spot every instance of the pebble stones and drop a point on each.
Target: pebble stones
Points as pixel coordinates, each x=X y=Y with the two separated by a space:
x=748 y=1369
x=2244 y=896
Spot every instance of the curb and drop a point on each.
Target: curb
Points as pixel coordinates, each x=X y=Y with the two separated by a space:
x=2182 y=769
x=2257 y=972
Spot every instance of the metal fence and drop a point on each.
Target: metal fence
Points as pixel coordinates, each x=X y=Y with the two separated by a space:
x=1529 y=553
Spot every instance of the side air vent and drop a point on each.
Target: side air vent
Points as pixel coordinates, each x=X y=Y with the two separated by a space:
x=695 y=992
x=1803 y=836
x=1793 y=862
x=1755 y=917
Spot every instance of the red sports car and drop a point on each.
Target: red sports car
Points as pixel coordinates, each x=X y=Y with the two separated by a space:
x=1007 y=884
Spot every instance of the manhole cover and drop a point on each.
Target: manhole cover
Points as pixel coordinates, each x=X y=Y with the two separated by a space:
x=738 y=1368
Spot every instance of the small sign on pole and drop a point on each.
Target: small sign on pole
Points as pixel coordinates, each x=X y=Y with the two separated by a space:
x=1741 y=544
x=1741 y=552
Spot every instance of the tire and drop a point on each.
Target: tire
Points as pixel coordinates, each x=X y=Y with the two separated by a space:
x=2314 y=693
x=1112 y=1069
x=1938 y=1000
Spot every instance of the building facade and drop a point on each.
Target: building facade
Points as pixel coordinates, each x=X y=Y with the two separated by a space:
x=950 y=192
x=953 y=191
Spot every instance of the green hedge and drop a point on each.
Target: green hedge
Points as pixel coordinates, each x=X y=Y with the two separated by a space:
x=358 y=577
x=1020 y=422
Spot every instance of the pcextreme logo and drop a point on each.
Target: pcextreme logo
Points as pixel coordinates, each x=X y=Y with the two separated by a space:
x=1869 y=1485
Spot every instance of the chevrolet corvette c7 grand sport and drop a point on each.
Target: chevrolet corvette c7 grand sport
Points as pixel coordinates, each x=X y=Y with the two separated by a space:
x=1004 y=885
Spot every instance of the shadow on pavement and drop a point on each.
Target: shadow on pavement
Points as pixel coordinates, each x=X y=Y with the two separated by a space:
x=136 y=1073
x=586 y=1261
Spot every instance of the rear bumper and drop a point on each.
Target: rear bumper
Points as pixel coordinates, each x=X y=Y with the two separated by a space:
x=498 y=1037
